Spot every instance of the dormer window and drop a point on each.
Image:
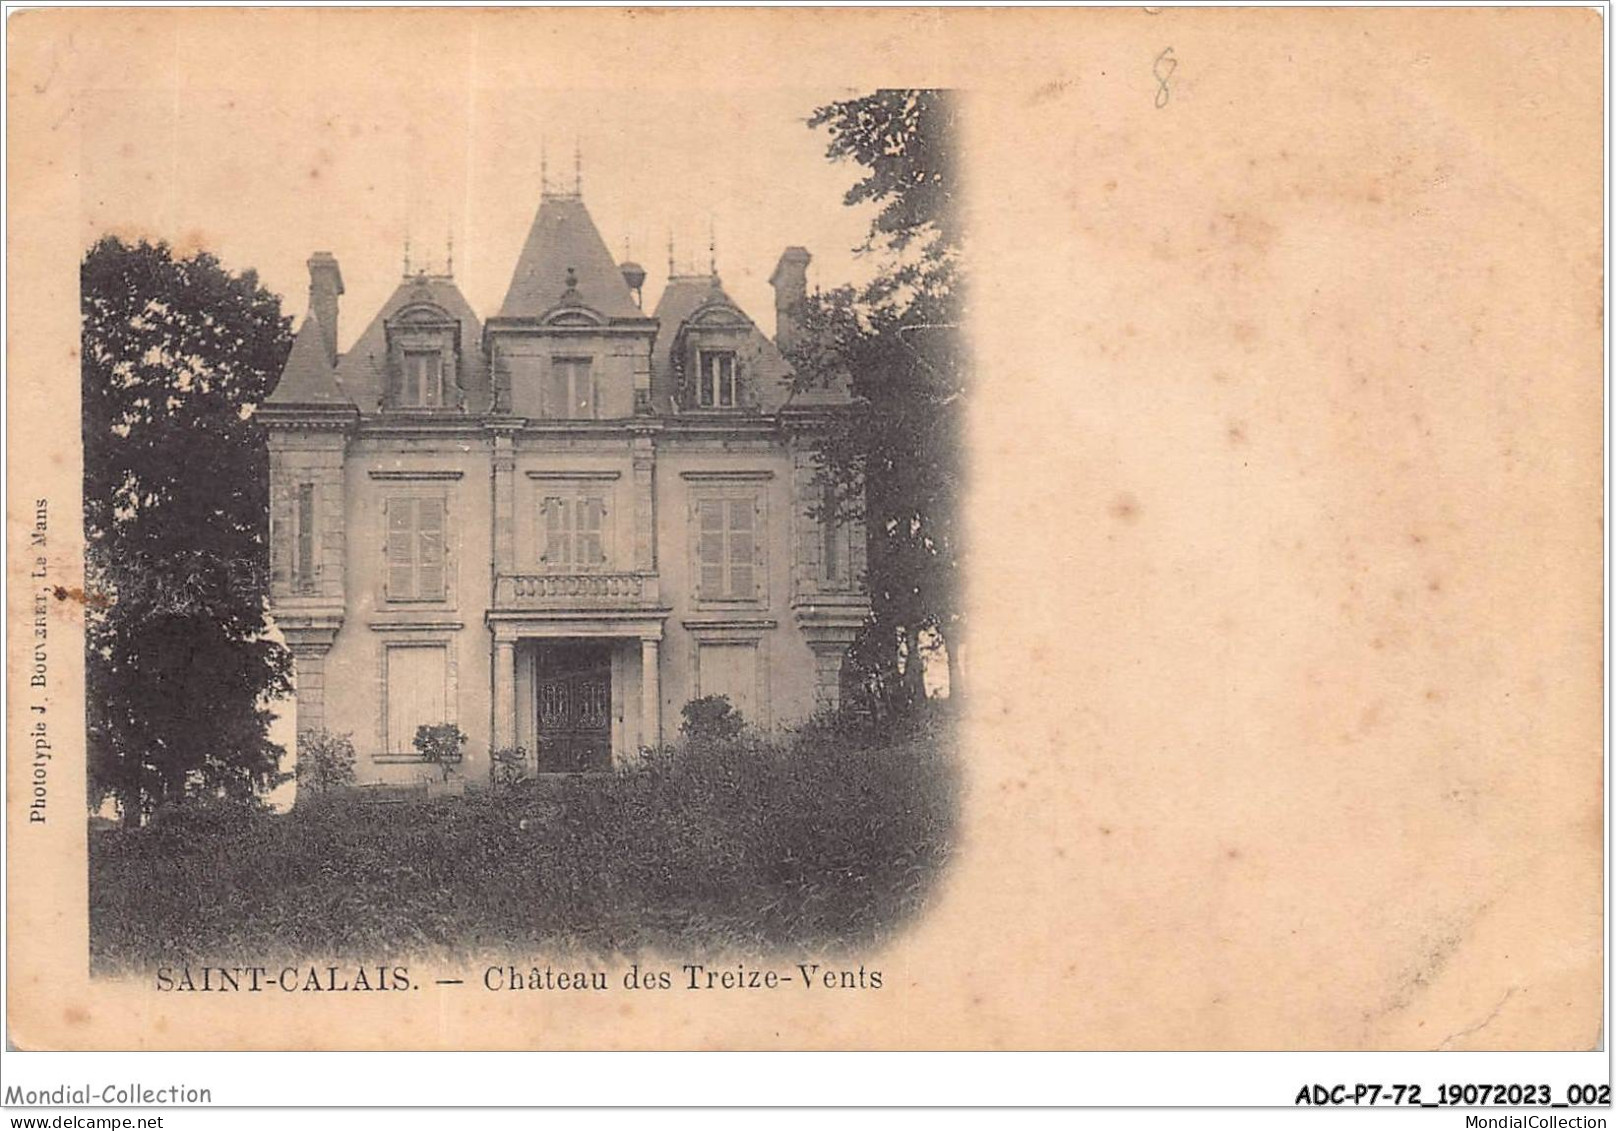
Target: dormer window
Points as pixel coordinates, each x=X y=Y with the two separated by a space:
x=716 y=379
x=423 y=351
x=423 y=379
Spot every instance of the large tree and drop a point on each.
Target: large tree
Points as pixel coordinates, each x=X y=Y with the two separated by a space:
x=897 y=341
x=176 y=355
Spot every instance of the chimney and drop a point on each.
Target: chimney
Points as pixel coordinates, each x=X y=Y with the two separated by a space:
x=790 y=283
x=325 y=284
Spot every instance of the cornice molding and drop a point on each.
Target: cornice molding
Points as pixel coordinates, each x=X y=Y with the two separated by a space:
x=535 y=328
x=391 y=425
x=316 y=418
x=574 y=475
x=422 y=474
x=726 y=476
x=515 y=624
x=416 y=625
x=700 y=625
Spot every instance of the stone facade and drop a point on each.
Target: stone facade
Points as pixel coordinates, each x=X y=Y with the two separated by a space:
x=555 y=528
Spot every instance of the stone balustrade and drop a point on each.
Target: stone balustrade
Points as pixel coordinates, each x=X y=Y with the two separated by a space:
x=575 y=590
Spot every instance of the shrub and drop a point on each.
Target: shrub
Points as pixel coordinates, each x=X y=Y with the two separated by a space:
x=510 y=766
x=834 y=832
x=827 y=838
x=199 y=818
x=441 y=746
x=325 y=761
x=712 y=718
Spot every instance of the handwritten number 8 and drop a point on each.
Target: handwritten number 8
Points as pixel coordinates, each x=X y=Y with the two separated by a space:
x=1163 y=69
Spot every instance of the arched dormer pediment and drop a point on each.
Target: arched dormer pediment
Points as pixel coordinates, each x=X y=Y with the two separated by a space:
x=422 y=313
x=713 y=322
x=583 y=316
x=421 y=321
x=719 y=315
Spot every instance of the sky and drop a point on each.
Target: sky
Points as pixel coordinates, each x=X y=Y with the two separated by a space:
x=263 y=177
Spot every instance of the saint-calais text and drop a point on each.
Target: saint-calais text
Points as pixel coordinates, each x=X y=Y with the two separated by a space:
x=38 y=668
x=284 y=979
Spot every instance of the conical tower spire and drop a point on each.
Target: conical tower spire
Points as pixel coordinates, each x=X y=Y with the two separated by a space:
x=565 y=252
x=309 y=378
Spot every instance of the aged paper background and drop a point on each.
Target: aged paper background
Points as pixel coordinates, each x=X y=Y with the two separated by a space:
x=1285 y=569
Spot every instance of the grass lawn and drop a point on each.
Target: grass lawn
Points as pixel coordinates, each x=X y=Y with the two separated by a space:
x=826 y=839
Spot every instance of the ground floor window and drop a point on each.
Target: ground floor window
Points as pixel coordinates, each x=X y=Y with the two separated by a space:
x=731 y=670
x=417 y=677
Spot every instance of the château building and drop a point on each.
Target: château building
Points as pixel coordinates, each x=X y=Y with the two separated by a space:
x=556 y=526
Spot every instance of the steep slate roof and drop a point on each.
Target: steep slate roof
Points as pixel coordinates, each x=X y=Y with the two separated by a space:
x=683 y=297
x=308 y=378
x=361 y=370
x=564 y=236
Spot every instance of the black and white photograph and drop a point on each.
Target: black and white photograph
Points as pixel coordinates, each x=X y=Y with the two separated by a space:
x=569 y=595
x=564 y=540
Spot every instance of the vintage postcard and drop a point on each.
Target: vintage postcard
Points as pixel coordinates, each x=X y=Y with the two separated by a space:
x=767 y=529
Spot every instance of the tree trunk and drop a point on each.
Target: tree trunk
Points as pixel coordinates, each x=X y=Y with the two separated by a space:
x=914 y=671
x=956 y=670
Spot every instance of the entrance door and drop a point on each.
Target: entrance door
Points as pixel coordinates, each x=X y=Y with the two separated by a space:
x=574 y=700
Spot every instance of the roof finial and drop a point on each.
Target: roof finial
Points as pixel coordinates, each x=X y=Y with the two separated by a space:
x=670 y=253
x=544 y=167
x=577 y=167
x=712 y=246
x=406 y=253
x=449 y=269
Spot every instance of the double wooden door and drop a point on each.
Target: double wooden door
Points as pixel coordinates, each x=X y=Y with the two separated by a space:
x=574 y=702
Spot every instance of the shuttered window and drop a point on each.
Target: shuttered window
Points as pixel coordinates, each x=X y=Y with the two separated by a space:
x=417 y=557
x=727 y=550
x=574 y=531
x=832 y=536
x=589 y=544
x=417 y=678
x=303 y=579
x=836 y=565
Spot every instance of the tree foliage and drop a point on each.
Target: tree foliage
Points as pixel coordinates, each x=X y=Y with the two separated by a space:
x=897 y=342
x=325 y=760
x=175 y=355
x=712 y=718
x=442 y=746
